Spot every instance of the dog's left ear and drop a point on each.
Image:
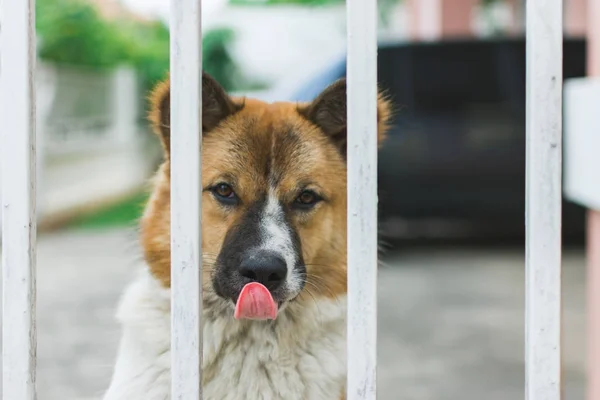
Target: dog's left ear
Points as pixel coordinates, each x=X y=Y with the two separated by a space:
x=328 y=112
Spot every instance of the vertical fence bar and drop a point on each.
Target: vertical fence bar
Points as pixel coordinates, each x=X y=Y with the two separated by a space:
x=186 y=142
x=17 y=116
x=543 y=199
x=362 y=199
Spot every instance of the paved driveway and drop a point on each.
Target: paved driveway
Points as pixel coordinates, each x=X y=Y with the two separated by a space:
x=451 y=321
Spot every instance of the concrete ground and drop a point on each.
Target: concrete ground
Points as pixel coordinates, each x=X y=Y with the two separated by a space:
x=451 y=321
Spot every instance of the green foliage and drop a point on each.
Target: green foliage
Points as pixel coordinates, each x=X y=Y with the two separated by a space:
x=123 y=213
x=151 y=50
x=73 y=32
x=153 y=55
x=218 y=61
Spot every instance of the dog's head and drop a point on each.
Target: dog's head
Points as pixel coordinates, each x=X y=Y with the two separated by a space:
x=273 y=194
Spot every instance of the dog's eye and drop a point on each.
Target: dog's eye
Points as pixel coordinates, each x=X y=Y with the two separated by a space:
x=307 y=199
x=224 y=193
x=224 y=190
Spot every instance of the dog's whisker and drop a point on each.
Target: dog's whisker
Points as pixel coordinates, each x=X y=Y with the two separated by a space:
x=321 y=285
x=314 y=301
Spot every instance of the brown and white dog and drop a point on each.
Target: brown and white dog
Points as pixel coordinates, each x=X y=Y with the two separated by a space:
x=274 y=251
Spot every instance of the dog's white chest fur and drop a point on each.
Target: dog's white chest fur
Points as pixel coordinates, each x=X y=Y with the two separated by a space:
x=301 y=356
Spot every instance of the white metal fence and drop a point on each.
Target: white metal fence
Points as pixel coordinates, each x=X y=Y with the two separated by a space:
x=17 y=116
x=543 y=200
x=543 y=260
x=186 y=207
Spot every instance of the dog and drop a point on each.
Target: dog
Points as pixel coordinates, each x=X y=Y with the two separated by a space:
x=273 y=248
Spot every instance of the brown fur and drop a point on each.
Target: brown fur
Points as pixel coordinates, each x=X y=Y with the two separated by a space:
x=258 y=145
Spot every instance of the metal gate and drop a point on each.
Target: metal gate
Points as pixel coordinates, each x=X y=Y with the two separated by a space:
x=543 y=216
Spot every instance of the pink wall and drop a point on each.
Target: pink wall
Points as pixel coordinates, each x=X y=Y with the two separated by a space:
x=593 y=295
x=593 y=18
x=456 y=17
x=435 y=19
x=593 y=227
x=575 y=17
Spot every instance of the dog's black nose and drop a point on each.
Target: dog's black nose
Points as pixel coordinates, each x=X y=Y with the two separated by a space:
x=265 y=267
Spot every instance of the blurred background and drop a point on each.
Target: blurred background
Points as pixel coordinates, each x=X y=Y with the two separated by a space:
x=451 y=176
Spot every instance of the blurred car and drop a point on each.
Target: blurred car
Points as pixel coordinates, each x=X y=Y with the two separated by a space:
x=455 y=157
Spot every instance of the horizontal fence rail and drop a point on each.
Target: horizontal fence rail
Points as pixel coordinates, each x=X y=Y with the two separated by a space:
x=543 y=200
x=362 y=199
x=17 y=116
x=186 y=209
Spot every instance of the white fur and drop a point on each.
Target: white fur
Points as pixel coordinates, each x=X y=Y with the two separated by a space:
x=276 y=237
x=300 y=356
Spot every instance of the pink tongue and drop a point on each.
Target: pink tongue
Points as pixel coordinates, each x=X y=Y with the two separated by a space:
x=255 y=302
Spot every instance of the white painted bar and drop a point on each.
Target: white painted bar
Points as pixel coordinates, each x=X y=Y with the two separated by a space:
x=186 y=260
x=543 y=200
x=17 y=116
x=362 y=199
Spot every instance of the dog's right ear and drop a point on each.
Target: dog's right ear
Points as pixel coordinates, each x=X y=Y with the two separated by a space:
x=329 y=112
x=216 y=106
